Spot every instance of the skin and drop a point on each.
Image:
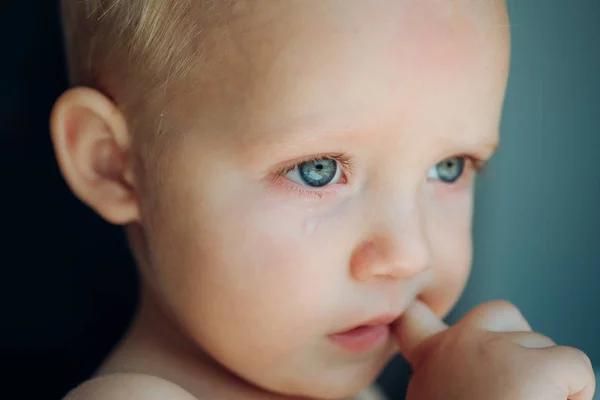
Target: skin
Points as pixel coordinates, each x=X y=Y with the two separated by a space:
x=490 y=353
x=245 y=272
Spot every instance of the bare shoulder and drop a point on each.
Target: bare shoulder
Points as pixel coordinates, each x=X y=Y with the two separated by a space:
x=128 y=387
x=148 y=387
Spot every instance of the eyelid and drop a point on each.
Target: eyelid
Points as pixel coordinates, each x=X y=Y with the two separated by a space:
x=346 y=162
x=309 y=193
x=476 y=163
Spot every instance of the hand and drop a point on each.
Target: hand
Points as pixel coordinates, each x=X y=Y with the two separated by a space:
x=490 y=354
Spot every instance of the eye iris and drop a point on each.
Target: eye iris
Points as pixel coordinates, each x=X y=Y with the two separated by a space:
x=318 y=173
x=451 y=169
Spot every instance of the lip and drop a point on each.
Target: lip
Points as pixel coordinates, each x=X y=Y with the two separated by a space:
x=365 y=336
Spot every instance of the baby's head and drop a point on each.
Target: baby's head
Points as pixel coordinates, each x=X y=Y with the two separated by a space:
x=287 y=170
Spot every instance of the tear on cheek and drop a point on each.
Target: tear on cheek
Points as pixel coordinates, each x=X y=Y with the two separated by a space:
x=310 y=226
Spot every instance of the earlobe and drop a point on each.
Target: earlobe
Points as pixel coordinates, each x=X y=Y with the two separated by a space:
x=92 y=145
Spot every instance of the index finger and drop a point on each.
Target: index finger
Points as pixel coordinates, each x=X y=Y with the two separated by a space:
x=414 y=327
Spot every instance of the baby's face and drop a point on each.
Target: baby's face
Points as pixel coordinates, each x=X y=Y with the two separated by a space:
x=331 y=191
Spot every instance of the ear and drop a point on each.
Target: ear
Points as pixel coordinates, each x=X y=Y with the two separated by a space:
x=92 y=145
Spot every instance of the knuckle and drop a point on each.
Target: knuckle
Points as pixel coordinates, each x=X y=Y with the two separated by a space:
x=496 y=308
x=576 y=358
x=575 y=354
x=506 y=306
x=498 y=315
x=541 y=340
x=584 y=359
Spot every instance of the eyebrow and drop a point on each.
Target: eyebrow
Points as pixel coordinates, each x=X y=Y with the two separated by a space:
x=299 y=130
x=482 y=142
x=309 y=129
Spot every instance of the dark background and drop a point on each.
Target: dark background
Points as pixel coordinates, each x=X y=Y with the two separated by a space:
x=68 y=286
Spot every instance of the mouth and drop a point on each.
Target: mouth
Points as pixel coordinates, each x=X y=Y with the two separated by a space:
x=366 y=336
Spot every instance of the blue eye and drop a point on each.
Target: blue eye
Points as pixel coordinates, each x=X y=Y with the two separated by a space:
x=449 y=170
x=316 y=173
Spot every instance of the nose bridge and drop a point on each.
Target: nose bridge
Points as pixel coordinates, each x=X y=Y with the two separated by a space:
x=398 y=245
x=401 y=217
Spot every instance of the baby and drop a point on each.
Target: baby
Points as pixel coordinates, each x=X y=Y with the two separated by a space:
x=296 y=182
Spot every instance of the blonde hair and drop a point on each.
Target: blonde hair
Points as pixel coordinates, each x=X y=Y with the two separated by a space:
x=137 y=51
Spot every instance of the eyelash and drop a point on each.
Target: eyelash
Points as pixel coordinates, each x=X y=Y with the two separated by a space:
x=478 y=165
x=345 y=161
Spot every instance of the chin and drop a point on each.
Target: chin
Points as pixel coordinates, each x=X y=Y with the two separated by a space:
x=333 y=390
x=341 y=384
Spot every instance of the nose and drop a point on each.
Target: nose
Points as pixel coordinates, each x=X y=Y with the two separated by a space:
x=397 y=247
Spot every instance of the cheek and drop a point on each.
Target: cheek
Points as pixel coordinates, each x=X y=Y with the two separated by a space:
x=255 y=264
x=241 y=276
x=451 y=243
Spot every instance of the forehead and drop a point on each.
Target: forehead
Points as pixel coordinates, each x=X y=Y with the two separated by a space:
x=345 y=63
